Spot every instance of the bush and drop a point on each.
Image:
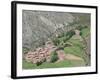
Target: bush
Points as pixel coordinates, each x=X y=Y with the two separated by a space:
x=80 y=27
x=38 y=63
x=56 y=41
x=61 y=40
x=54 y=57
x=69 y=34
x=25 y=50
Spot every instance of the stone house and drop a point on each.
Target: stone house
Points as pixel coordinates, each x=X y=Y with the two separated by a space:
x=41 y=54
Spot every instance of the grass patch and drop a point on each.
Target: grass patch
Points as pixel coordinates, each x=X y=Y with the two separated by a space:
x=75 y=50
x=61 y=64
x=85 y=32
x=76 y=42
x=27 y=65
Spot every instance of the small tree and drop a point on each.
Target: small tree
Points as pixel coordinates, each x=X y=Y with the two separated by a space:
x=56 y=41
x=54 y=57
x=69 y=34
x=38 y=63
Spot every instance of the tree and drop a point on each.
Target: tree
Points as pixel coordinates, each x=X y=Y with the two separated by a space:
x=56 y=41
x=54 y=56
x=38 y=63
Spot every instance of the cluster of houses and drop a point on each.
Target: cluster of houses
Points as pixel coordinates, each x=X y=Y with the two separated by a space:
x=41 y=54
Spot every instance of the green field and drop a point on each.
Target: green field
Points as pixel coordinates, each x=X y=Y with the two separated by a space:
x=85 y=32
x=65 y=63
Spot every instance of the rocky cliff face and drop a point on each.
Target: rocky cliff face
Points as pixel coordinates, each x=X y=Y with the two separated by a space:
x=38 y=26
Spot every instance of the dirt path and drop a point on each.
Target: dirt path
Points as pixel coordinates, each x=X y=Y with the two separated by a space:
x=73 y=57
x=63 y=56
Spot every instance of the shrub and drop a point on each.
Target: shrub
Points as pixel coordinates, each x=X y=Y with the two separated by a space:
x=54 y=57
x=80 y=27
x=56 y=41
x=69 y=34
x=25 y=50
x=38 y=63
